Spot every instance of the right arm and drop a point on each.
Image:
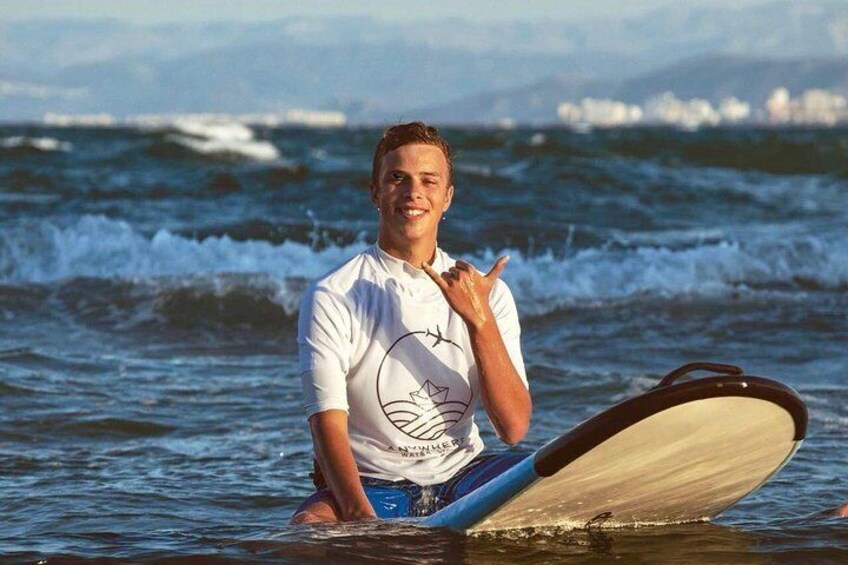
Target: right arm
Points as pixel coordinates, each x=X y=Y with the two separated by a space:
x=332 y=448
x=324 y=337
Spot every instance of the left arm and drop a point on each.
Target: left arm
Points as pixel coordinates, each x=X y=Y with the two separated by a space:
x=505 y=397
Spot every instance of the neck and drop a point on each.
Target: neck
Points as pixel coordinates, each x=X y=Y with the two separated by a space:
x=412 y=252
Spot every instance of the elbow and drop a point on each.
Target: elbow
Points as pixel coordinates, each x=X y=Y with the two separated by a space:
x=517 y=428
x=513 y=425
x=514 y=433
x=514 y=438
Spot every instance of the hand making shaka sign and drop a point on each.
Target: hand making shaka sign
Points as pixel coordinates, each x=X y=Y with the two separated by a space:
x=467 y=290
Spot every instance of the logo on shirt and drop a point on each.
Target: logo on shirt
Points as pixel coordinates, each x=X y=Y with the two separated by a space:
x=435 y=395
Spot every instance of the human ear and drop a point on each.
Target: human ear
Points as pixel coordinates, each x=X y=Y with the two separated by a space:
x=448 y=199
x=375 y=194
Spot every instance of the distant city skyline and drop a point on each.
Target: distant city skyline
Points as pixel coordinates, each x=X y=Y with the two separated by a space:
x=159 y=11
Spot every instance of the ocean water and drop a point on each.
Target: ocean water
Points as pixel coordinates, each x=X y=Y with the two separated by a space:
x=149 y=283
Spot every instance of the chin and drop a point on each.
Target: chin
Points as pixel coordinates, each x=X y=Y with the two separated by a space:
x=419 y=235
x=413 y=234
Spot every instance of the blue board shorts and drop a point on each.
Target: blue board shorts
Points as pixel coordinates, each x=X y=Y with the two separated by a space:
x=405 y=499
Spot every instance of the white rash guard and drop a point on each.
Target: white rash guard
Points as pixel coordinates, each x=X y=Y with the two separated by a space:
x=378 y=339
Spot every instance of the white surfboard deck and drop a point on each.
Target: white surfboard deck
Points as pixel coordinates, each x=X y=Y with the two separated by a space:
x=678 y=453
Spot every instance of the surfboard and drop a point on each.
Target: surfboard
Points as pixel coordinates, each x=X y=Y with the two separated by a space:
x=681 y=452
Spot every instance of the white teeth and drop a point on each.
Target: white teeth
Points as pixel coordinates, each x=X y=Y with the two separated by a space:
x=412 y=213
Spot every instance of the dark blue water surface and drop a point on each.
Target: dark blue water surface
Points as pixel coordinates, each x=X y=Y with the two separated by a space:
x=150 y=277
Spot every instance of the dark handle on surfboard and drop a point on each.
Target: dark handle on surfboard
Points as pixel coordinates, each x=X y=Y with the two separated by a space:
x=690 y=367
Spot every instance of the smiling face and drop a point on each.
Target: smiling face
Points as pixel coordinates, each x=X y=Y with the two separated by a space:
x=412 y=191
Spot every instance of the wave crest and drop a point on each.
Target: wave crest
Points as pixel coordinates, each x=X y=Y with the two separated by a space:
x=34 y=144
x=219 y=273
x=215 y=139
x=99 y=247
x=598 y=276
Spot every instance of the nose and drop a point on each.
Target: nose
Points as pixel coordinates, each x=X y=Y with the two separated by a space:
x=413 y=188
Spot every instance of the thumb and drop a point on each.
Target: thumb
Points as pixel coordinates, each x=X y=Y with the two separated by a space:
x=497 y=268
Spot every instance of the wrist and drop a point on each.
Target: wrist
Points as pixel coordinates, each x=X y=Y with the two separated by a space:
x=481 y=324
x=358 y=512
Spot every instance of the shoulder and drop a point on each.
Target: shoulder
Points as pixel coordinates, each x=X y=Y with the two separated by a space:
x=501 y=290
x=501 y=298
x=342 y=278
x=341 y=288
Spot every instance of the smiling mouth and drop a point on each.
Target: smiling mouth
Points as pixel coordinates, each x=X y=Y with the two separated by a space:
x=411 y=213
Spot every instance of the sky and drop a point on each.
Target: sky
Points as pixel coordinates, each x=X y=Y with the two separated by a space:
x=157 y=11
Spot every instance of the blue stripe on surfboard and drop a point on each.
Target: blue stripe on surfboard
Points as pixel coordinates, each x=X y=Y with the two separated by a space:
x=474 y=507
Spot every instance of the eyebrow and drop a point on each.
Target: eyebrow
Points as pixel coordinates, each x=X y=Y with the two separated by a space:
x=424 y=174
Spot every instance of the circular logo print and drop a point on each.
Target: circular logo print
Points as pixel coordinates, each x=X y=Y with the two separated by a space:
x=419 y=391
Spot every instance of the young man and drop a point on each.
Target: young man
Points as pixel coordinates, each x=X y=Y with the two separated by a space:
x=398 y=344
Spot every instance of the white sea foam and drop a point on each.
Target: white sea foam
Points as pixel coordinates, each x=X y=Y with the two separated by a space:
x=256 y=150
x=668 y=238
x=213 y=136
x=595 y=276
x=39 y=143
x=222 y=131
x=99 y=247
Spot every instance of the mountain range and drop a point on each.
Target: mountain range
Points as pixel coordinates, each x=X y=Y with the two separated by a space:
x=712 y=78
x=450 y=70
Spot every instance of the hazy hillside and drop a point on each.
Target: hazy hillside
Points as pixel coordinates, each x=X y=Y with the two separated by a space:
x=711 y=78
x=282 y=74
x=371 y=68
x=750 y=79
x=536 y=103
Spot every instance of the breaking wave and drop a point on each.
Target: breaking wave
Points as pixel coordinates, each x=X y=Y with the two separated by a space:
x=186 y=137
x=23 y=144
x=220 y=275
x=596 y=276
x=103 y=248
